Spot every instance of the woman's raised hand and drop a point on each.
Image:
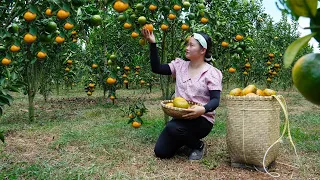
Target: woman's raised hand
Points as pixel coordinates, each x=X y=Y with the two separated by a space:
x=149 y=36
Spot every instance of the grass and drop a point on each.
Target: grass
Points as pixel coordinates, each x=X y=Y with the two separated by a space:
x=76 y=137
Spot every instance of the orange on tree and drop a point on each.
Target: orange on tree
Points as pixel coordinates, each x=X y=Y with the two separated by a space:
x=152 y=7
x=41 y=55
x=142 y=42
x=136 y=124
x=94 y=66
x=111 y=80
x=127 y=68
x=124 y=76
x=68 y=26
x=245 y=73
x=69 y=61
x=91 y=85
x=96 y=20
x=172 y=16
x=112 y=97
x=74 y=32
x=224 y=44
x=14 y=48
x=149 y=27
x=125 y=81
x=63 y=14
x=269 y=79
x=120 y=6
x=247 y=65
x=271 y=55
x=29 y=38
x=113 y=57
x=29 y=16
x=231 y=70
x=184 y=27
x=5 y=61
x=134 y=34
x=306 y=77
x=204 y=20
x=131 y=116
x=268 y=63
x=142 y=82
x=176 y=7
x=239 y=37
x=142 y=20
x=277 y=65
x=67 y=69
x=59 y=39
x=127 y=25
x=48 y=12
x=136 y=73
x=89 y=93
x=164 y=27
x=138 y=67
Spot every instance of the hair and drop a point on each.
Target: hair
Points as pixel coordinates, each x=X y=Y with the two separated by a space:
x=208 y=54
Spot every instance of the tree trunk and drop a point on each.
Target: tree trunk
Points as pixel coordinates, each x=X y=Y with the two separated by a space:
x=31 y=95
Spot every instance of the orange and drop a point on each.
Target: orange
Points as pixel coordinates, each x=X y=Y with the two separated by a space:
x=68 y=26
x=249 y=89
x=127 y=68
x=67 y=69
x=48 y=12
x=260 y=92
x=112 y=97
x=74 y=32
x=137 y=67
x=125 y=81
x=134 y=34
x=269 y=92
x=94 y=66
x=142 y=42
x=5 y=61
x=268 y=63
x=277 y=65
x=14 y=48
x=236 y=92
x=124 y=76
x=239 y=37
x=62 y=14
x=232 y=70
x=172 y=16
x=224 y=44
x=149 y=27
x=29 y=38
x=251 y=94
x=59 y=39
x=269 y=79
x=29 y=16
x=69 y=61
x=184 y=27
x=127 y=25
x=164 y=27
x=152 y=7
x=169 y=104
x=142 y=82
x=180 y=102
x=111 y=80
x=306 y=77
x=271 y=55
x=245 y=73
x=41 y=55
x=247 y=65
x=136 y=124
x=131 y=116
x=120 y=6
x=204 y=20
x=91 y=85
x=89 y=93
x=176 y=7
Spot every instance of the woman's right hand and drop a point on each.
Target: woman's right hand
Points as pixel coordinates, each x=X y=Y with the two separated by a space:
x=149 y=36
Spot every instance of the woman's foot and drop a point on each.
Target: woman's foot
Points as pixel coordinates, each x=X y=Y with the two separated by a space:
x=197 y=154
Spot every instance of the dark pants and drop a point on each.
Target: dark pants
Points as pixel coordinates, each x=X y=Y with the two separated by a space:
x=179 y=132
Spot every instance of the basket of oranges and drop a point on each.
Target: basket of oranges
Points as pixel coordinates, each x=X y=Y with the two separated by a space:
x=177 y=107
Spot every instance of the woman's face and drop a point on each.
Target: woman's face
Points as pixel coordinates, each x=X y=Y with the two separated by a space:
x=194 y=50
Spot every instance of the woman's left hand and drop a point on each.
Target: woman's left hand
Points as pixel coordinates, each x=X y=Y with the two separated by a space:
x=195 y=111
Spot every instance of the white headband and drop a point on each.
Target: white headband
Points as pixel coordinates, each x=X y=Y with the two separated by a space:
x=200 y=39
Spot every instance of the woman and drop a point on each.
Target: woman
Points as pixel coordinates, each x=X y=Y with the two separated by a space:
x=197 y=81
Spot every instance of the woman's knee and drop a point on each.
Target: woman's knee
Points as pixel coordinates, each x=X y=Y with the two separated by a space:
x=161 y=153
x=175 y=129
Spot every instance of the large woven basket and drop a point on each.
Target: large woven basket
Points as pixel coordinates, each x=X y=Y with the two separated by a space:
x=174 y=111
x=253 y=125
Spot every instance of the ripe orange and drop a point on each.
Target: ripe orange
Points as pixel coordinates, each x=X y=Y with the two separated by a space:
x=41 y=55
x=245 y=73
x=68 y=26
x=89 y=93
x=127 y=68
x=164 y=27
x=204 y=20
x=142 y=82
x=59 y=39
x=127 y=25
x=247 y=65
x=62 y=14
x=149 y=27
x=94 y=66
x=269 y=92
x=29 y=38
x=269 y=79
x=268 y=63
x=306 y=76
x=224 y=44
x=125 y=81
x=74 y=32
x=134 y=34
x=232 y=70
x=137 y=67
x=172 y=16
x=14 y=48
x=249 y=89
x=111 y=80
x=69 y=61
x=48 y=12
x=131 y=116
x=236 y=92
x=152 y=7
x=5 y=61
x=112 y=97
x=67 y=69
x=277 y=65
x=251 y=94
x=184 y=27
x=271 y=55
x=91 y=85
x=124 y=76
x=260 y=92
x=136 y=124
x=239 y=37
x=176 y=7
x=120 y=6
x=29 y=16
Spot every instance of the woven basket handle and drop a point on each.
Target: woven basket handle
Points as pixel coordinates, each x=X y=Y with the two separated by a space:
x=283 y=105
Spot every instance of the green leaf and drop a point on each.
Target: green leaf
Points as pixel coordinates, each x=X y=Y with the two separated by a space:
x=2 y=137
x=7 y=99
x=294 y=48
x=1 y=111
x=306 y=8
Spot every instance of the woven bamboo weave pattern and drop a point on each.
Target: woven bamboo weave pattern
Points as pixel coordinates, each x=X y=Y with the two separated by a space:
x=174 y=111
x=253 y=124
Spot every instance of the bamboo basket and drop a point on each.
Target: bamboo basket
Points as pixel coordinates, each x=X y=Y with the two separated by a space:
x=253 y=125
x=174 y=111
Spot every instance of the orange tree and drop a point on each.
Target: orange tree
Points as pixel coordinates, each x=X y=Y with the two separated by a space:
x=305 y=73
x=30 y=29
